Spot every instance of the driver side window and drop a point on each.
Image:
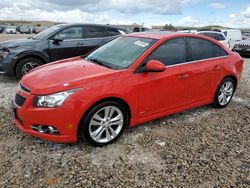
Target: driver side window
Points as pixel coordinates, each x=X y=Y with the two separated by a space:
x=171 y=52
x=70 y=33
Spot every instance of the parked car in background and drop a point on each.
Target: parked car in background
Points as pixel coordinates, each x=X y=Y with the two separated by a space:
x=17 y=57
x=219 y=36
x=11 y=29
x=2 y=28
x=140 y=29
x=233 y=36
x=132 y=79
x=191 y=31
x=37 y=30
x=25 y=30
x=243 y=47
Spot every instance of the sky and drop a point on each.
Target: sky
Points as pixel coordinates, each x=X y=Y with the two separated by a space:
x=229 y=13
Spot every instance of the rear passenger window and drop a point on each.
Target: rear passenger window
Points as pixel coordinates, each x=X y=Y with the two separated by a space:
x=113 y=31
x=170 y=53
x=203 y=49
x=95 y=32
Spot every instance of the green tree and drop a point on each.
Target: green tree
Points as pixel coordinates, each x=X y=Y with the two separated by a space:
x=169 y=27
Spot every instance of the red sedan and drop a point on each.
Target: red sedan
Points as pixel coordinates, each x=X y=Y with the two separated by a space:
x=133 y=79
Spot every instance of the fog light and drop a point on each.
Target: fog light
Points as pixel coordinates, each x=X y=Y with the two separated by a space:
x=45 y=129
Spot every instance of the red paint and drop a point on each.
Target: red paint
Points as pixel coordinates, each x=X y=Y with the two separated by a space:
x=150 y=95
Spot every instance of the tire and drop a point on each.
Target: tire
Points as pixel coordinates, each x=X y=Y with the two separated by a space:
x=224 y=93
x=97 y=135
x=25 y=65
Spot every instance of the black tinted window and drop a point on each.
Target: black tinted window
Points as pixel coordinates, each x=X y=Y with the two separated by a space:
x=203 y=49
x=170 y=53
x=113 y=31
x=215 y=36
x=70 y=33
x=95 y=32
x=136 y=29
x=220 y=37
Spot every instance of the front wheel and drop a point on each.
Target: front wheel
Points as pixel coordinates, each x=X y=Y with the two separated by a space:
x=224 y=93
x=104 y=123
x=25 y=65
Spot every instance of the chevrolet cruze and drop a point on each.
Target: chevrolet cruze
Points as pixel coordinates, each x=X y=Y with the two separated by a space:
x=130 y=80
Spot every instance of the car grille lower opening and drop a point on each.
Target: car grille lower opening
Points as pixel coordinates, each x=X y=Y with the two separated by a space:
x=19 y=100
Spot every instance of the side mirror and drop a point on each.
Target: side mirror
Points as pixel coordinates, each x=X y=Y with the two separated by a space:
x=57 y=39
x=154 y=66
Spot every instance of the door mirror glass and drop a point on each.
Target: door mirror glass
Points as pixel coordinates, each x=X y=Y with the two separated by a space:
x=154 y=66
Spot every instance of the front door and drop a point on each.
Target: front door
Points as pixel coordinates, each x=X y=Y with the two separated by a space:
x=70 y=43
x=168 y=90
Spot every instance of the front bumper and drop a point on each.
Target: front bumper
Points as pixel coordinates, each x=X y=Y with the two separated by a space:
x=242 y=50
x=62 y=119
x=7 y=65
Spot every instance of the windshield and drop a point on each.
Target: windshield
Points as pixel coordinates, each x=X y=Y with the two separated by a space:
x=121 y=52
x=44 y=34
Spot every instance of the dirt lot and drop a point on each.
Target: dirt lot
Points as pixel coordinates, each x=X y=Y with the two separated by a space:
x=203 y=147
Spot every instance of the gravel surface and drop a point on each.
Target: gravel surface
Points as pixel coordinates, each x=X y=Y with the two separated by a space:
x=203 y=147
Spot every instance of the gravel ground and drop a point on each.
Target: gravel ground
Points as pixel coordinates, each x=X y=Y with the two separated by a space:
x=203 y=147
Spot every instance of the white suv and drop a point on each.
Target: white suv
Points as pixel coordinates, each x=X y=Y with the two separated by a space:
x=215 y=35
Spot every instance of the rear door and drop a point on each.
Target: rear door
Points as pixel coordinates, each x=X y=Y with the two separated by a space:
x=205 y=65
x=71 y=44
x=95 y=36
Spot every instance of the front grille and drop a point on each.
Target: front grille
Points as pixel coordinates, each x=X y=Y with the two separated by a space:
x=19 y=100
x=244 y=45
x=25 y=89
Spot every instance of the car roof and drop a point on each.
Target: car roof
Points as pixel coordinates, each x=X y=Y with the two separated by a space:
x=153 y=35
x=87 y=24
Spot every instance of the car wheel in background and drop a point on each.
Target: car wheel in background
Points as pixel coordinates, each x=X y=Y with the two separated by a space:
x=224 y=93
x=104 y=123
x=26 y=64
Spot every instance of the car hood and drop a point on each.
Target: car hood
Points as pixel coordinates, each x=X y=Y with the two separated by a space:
x=66 y=74
x=16 y=43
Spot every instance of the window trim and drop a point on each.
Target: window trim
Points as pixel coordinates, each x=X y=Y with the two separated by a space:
x=199 y=61
x=188 y=52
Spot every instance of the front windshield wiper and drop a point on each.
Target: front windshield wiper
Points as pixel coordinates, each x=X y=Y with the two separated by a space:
x=99 y=62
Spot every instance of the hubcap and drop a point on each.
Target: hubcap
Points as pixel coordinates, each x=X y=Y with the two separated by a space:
x=106 y=124
x=225 y=93
x=28 y=66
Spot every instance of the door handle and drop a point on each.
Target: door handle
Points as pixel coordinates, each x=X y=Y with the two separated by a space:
x=80 y=44
x=183 y=76
x=217 y=67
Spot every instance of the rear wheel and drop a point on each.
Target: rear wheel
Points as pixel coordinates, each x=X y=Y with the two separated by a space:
x=25 y=65
x=104 y=123
x=224 y=93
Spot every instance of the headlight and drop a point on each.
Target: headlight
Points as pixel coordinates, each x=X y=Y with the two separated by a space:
x=4 y=53
x=53 y=100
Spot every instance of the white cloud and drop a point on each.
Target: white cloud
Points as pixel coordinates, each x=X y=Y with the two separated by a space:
x=240 y=20
x=188 y=21
x=246 y=13
x=217 y=5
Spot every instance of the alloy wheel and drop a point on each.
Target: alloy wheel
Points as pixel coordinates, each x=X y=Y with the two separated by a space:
x=106 y=124
x=225 y=93
x=28 y=67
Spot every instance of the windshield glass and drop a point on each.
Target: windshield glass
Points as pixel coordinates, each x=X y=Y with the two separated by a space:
x=121 y=52
x=44 y=34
